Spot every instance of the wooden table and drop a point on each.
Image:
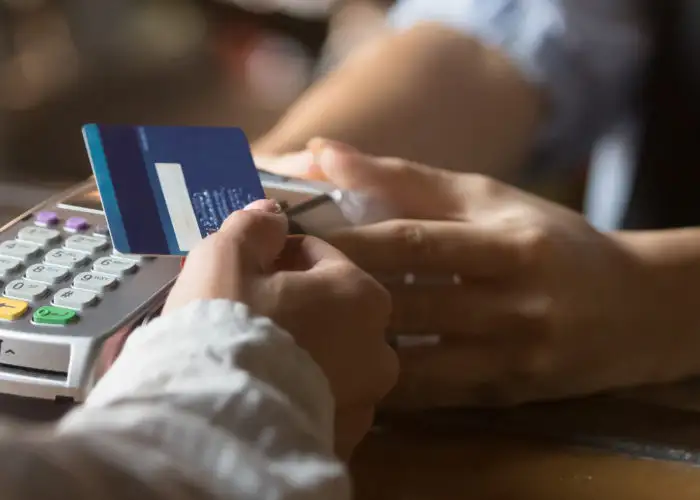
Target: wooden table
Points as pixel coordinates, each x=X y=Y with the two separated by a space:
x=597 y=449
x=600 y=450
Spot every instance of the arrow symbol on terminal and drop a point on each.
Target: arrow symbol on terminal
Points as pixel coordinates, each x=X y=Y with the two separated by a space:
x=10 y=351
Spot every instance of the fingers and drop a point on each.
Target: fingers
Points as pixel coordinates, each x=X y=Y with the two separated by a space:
x=444 y=376
x=299 y=165
x=414 y=191
x=222 y=265
x=401 y=246
x=461 y=312
x=304 y=253
x=258 y=233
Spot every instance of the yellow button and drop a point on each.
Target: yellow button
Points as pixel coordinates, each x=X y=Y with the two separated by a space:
x=12 y=309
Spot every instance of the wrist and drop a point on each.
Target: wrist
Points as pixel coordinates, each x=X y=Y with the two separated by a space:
x=667 y=267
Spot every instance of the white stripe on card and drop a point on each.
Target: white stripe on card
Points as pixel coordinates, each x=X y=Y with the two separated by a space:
x=177 y=200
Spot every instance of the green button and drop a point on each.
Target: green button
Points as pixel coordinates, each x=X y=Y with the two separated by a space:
x=52 y=315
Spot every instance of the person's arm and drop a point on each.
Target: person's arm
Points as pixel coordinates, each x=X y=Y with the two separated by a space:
x=208 y=402
x=486 y=87
x=430 y=94
x=671 y=259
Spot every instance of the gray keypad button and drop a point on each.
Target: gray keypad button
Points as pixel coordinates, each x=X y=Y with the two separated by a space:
x=114 y=266
x=40 y=235
x=9 y=266
x=71 y=298
x=22 y=250
x=25 y=290
x=65 y=258
x=85 y=243
x=46 y=273
x=94 y=282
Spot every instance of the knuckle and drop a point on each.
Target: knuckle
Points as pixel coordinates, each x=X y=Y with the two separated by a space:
x=533 y=356
x=413 y=238
x=346 y=275
x=476 y=190
x=397 y=164
x=531 y=245
x=483 y=184
x=536 y=318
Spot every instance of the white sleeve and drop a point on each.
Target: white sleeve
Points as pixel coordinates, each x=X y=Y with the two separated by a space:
x=205 y=403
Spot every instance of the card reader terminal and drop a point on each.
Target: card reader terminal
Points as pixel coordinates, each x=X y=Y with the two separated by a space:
x=68 y=300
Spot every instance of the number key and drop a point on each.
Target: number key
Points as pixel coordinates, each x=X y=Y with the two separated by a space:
x=41 y=235
x=114 y=266
x=85 y=243
x=94 y=282
x=25 y=290
x=22 y=250
x=45 y=273
x=74 y=299
x=65 y=258
x=9 y=266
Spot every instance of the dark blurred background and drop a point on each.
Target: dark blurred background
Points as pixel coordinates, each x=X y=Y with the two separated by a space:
x=196 y=62
x=190 y=62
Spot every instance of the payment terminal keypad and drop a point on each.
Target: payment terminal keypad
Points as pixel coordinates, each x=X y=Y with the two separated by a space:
x=114 y=266
x=8 y=266
x=66 y=258
x=87 y=244
x=94 y=282
x=67 y=297
x=39 y=235
x=64 y=292
x=46 y=273
x=58 y=252
x=26 y=290
x=53 y=277
x=72 y=298
x=20 y=250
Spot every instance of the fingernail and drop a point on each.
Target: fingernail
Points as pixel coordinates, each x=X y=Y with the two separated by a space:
x=265 y=205
x=182 y=262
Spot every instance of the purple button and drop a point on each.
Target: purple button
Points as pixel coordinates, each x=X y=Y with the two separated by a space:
x=46 y=218
x=76 y=224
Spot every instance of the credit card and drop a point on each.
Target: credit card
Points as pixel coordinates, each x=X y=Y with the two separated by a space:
x=165 y=188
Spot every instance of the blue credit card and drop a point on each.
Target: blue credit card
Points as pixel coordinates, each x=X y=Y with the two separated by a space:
x=163 y=189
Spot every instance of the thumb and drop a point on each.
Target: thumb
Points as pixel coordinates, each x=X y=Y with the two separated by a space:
x=221 y=266
x=259 y=233
x=409 y=189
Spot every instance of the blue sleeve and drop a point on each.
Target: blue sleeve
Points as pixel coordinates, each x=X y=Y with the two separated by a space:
x=586 y=55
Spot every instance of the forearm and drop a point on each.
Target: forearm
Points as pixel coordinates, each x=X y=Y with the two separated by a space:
x=430 y=94
x=205 y=404
x=670 y=261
